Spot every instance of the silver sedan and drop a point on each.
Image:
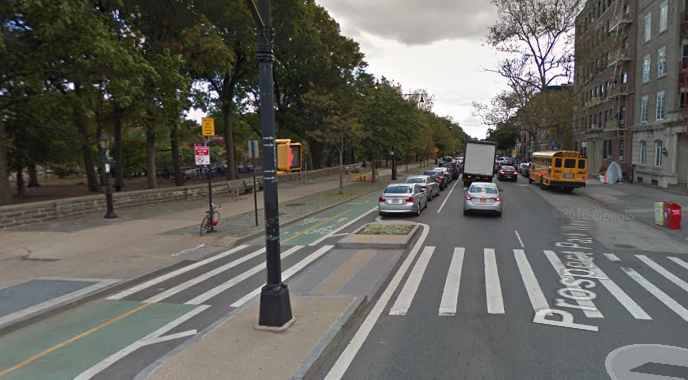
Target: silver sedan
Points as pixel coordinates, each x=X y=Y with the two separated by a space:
x=427 y=184
x=483 y=196
x=402 y=198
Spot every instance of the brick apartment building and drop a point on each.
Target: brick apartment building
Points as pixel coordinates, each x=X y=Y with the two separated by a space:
x=630 y=64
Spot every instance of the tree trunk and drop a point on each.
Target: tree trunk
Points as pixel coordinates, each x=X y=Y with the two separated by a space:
x=119 y=147
x=229 y=140
x=33 y=175
x=341 y=169
x=176 y=162
x=373 y=179
x=89 y=161
x=151 y=172
x=5 y=189
x=21 y=188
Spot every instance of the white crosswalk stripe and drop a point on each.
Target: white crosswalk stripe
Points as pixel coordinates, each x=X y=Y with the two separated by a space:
x=493 y=289
x=450 y=294
x=409 y=291
x=575 y=289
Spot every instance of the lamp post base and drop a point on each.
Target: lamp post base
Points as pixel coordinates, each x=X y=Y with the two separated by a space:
x=275 y=306
x=111 y=215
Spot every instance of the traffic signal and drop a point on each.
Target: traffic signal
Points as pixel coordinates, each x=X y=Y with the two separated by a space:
x=289 y=156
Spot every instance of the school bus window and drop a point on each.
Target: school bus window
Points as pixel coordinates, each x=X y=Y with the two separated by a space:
x=570 y=163
x=581 y=164
x=557 y=163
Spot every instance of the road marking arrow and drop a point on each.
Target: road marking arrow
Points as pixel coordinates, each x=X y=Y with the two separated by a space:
x=648 y=362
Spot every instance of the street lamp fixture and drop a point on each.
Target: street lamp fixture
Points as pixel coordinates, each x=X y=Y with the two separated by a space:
x=103 y=143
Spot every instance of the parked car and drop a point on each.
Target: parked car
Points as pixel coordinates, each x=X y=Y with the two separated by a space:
x=524 y=169
x=483 y=197
x=453 y=168
x=402 y=198
x=507 y=172
x=427 y=184
x=447 y=173
x=438 y=177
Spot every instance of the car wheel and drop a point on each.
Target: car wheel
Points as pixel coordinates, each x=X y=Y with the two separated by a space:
x=530 y=180
x=418 y=209
x=430 y=196
x=465 y=212
x=499 y=214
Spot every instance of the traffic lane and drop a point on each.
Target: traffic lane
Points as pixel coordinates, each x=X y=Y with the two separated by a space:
x=425 y=336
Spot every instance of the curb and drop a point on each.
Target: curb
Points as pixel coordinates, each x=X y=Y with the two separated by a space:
x=70 y=304
x=659 y=228
x=121 y=285
x=342 y=244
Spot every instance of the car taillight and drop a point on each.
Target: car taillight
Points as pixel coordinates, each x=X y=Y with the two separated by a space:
x=423 y=187
x=498 y=199
x=501 y=171
x=409 y=199
x=440 y=180
x=468 y=197
x=515 y=172
x=469 y=176
x=381 y=200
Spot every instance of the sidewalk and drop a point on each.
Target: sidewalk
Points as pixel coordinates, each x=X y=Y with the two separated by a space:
x=637 y=201
x=146 y=238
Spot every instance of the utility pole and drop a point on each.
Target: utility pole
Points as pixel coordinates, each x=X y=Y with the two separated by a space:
x=275 y=305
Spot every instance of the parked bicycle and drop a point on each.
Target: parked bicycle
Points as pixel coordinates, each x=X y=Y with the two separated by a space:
x=210 y=220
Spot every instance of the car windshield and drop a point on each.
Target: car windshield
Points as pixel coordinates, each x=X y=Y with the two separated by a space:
x=431 y=173
x=415 y=180
x=398 y=189
x=483 y=189
x=508 y=168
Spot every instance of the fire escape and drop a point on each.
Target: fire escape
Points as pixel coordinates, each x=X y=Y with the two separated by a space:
x=619 y=91
x=683 y=76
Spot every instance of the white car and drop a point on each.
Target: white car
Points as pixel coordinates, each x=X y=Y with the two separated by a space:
x=483 y=197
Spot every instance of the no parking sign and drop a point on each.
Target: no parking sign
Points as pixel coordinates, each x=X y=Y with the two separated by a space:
x=202 y=154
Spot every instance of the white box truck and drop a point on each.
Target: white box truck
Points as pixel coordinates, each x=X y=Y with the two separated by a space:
x=479 y=161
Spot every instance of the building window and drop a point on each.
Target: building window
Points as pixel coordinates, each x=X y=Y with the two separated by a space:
x=660 y=105
x=644 y=109
x=621 y=150
x=663 y=16
x=648 y=27
x=681 y=99
x=643 y=152
x=661 y=62
x=622 y=116
x=647 y=62
x=624 y=77
x=658 y=153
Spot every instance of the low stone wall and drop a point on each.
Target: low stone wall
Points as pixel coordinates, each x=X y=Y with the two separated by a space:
x=37 y=212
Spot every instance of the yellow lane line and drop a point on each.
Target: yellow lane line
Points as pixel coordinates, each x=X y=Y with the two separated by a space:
x=312 y=227
x=72 y=340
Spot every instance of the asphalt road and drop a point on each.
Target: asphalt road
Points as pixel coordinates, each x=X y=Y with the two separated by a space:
x=466 y=307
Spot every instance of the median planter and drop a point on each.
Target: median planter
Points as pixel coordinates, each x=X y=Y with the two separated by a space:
x=382 y=235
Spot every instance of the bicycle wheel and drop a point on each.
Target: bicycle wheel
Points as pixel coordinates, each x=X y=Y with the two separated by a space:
x=205 y=225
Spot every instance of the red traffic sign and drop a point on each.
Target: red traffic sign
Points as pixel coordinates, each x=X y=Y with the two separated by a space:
x=202 y=155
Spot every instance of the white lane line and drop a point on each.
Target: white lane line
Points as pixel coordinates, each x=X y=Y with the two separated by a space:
x=339 y=368
x=537 y=297
x=447 y=197
x=679 y=262
x=112 y=359
x=160 y=279
x=588 y=306
x=286 y=274
x=669 y=276
x=196 y=280
x=519 y=239
x=615 y=290
x=331 y=234
x=56 y=301
x=493 y=290
x=167 y=338
x=235 y=280
x=612 y=257
x=450 y=295
x=659 y=294
x=409 y=291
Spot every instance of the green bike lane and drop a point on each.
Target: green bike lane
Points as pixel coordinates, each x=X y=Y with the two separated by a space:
x=71 y=343
x=312 y=229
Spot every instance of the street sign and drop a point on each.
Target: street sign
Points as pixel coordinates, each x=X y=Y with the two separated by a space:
x=208 y=126
x=253 y=151
x=217 y=139
x=437 y=150
x=202 y=154
x=647 y=361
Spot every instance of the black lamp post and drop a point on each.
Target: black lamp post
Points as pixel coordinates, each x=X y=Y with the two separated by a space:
x=394 y=166
x=103 y=143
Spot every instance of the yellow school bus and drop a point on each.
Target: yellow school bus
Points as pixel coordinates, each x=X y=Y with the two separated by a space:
x=564 y=169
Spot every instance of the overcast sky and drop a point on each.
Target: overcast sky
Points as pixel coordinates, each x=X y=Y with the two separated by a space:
x=431 y=44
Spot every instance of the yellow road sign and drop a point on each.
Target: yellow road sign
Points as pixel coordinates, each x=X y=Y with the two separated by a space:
x=437 y=150
x=208 y=126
